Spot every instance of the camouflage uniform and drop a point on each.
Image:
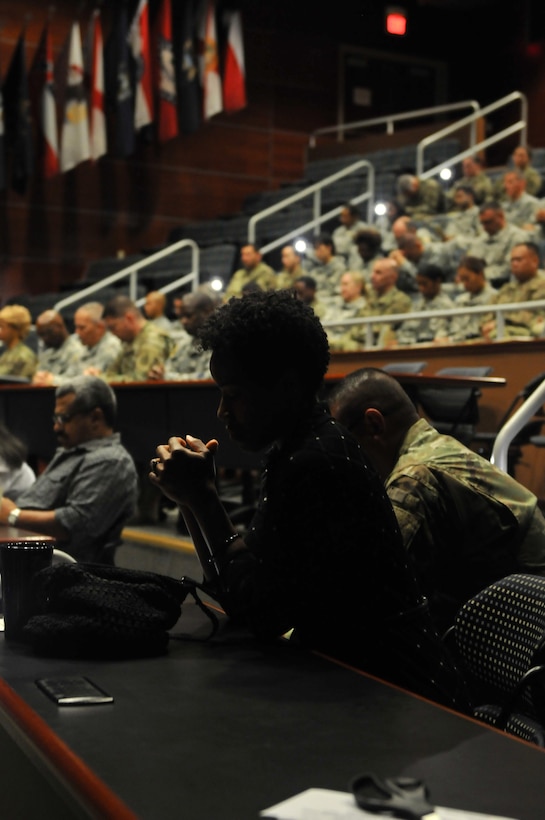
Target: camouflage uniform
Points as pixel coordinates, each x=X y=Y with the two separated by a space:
x=521 y=211
x=343 y=237
x=20 y=360
x=414 y=331
x=465 y=522
x=102 y=355
x=463 y=223
x=426 y=201
x=483 y=189
x=393 y=301
x=521 y=322
x=339 y=311
x=468 y=325
x=328 y=275
x=261 y=275
x=356 y=263
x=496 y=250
x=533 y=182
x=286 y=280
x=150 y=347
x=187 y=361
x=61 y=360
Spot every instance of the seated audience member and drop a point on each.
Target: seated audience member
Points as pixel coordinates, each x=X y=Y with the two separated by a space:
x=351 y=301
x=464 y=522
x=60 y=352
x=412 y=255
x=343 y=236
x=15 y=474
x=16 y=359
x=253 y=270
x=383 y=299
x=365 y=251
x=429 y=279
x=518 y=206
x=88 y=490
x=473 y=175
x=528 y=284
x=463 y=218
x=101 y=347
x=155 y=305
x=327 y=268
x=477 y=291
x=385 y=222
x=419 y=198
x=521 y=159
x=305 y=289
x=187 y=360
x=291 y=268
x=323 y=530
x=495 y=244
x=143 y=344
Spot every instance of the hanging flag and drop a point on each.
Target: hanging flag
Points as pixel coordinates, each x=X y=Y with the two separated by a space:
x=18 y=120
x=139 y=41
x=75 y=147
x=97 y=122
x=42 y=97
x=234 y=79
x=189 y=92
x=2 y=146
x=167 y=118
x=210 y=75
x=119 y=86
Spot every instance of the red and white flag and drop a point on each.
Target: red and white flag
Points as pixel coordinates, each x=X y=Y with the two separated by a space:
x=75 y=146
x=97 y=129
x=139 y=41
x=209 y=63
x=234 y=77
x=167 y=114
x=42 y=90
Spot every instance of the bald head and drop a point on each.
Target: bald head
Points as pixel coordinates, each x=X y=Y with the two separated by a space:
x=377 y=411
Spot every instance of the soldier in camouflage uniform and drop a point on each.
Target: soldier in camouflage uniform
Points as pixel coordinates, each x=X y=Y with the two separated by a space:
x=16 y=358
x=422 y=329
x=519 y=207
x=188 y=360
x=419 y=198
x=474 y=177
x=495 y=244
x=291 y=268
x=143 y=344
x=477 y=291
x=521 y=160
x=463 y=219
x=100 y=347
x=528 y=285
x=326 y=268
x=464 y=522
x=253 y=271
x=60 y=352
x=384 y=299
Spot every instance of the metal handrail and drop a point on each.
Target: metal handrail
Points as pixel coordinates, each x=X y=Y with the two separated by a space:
x=131 y=272
x=390 y=119
x=470 y=120
x=498 y=310
x=514 y=425
x=315 y=190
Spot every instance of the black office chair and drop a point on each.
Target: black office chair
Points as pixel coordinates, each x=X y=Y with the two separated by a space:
x=499 y=640
x=453 y=410
x=404 y=367
x=529 y=434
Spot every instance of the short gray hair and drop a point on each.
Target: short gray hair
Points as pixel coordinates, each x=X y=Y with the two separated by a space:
x=90 y=392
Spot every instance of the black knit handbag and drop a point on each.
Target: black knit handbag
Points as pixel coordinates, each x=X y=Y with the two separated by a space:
x=93 y=610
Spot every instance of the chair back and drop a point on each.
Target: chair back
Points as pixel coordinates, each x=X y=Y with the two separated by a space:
x=404 y=367
x=454 y=410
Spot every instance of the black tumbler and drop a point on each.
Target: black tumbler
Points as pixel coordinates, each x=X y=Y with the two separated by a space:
x=19 y=562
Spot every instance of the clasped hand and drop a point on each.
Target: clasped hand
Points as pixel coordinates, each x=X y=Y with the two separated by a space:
x=184 y=469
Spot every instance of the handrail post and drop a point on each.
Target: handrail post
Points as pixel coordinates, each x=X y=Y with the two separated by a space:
x=317 y=210
x=500 y=325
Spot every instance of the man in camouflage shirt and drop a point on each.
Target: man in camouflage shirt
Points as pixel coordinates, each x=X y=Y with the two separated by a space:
x=60 y=351
x=144 y=345
x=188 y=360
x=494 y=245
x=16 y=359
x=419 y=198
x=464 y=522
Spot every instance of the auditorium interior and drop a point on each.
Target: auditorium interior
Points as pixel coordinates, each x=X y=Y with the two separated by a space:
x=330 y=93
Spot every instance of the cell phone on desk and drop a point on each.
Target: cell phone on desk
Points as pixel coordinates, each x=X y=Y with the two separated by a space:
x=73 y=691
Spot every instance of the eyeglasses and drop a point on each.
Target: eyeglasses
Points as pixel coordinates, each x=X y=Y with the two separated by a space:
x=63 y=418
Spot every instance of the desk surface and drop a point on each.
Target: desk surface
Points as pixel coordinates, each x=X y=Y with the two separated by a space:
x=436 y=380
x=226 y=728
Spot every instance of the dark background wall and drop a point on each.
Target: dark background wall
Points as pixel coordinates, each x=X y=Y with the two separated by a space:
x=48 y=235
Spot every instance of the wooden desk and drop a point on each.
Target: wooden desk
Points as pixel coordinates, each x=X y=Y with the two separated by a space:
x=435 y=380
x=227 y=728
x=8 y=533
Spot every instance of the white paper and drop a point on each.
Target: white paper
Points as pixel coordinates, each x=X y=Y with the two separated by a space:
x=325 y=804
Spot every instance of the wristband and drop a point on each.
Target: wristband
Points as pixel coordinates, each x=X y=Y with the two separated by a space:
x=13 y=516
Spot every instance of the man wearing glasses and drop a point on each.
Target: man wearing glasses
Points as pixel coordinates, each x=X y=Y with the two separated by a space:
x=89 y=489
